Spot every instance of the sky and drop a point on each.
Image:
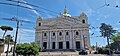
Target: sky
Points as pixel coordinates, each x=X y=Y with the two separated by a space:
x=96 y=11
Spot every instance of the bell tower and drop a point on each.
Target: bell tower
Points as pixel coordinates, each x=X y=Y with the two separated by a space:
x=39 y=21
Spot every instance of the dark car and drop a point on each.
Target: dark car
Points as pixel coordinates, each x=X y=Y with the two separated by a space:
x=117 y=52
x=83 y=52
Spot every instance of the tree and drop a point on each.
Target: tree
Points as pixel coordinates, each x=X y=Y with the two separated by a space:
x=27 y=49
x=116 y=41
x=6 y=28
x=8 y=40
x=107 y=31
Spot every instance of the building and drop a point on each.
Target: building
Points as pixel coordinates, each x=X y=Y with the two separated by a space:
x=63 y=32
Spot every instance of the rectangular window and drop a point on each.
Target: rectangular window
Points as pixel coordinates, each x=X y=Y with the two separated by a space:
x=60 y=45
x=53 y=45
x=67 y=44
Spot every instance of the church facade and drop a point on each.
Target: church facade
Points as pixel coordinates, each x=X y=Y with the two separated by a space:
x=63 y=32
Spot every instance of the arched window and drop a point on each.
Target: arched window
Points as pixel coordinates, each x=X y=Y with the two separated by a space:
x=83 y=21
x=45 y=34
x=53 y=34
x=67 y=33
x=39 y=24
x=60 y=33
x=77 y=33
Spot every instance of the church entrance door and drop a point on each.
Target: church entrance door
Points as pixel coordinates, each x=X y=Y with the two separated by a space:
x=77 y=45
x=53 y=45
x=45 y=45
x=67 y=44
x=60 y=45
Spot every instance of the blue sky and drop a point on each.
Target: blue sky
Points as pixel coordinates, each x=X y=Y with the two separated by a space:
x=96 y=15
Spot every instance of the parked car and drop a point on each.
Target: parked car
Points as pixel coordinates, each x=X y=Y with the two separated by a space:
x=83 y=52
x=117 y=52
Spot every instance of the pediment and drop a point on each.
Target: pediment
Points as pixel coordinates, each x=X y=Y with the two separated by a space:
x=62 y=22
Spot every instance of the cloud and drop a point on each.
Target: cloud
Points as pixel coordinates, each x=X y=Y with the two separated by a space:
x=117 y=29
x=26 y=35
x=34 y=11
x=90 y=12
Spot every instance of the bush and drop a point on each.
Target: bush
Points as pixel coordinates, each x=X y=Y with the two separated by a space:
x=104 y=51
x=27 y=49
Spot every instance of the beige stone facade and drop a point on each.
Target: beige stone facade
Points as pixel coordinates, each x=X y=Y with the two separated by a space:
x=63 y=32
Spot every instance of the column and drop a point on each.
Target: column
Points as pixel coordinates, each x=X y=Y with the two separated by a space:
x=48 y=41
x=56 y=44
x=64 y=40
x=40 y=38
x=82 y=40
x=73 y=38
x=71 y=45
x=50 y=36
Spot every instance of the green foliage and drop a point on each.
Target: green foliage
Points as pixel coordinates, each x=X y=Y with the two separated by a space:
x=28 y=49
x=103 y=50
x=106 y=30
x=115 y=41
x=6 y=28
x=116 y=38
x=1 y=41
x=8 y=39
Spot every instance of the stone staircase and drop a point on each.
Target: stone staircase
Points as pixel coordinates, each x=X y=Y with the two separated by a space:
x=58 y=54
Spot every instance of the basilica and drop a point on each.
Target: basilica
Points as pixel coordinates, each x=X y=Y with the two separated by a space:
x=63 y=32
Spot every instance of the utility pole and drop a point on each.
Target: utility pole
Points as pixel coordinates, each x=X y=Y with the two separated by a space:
x=15 y=38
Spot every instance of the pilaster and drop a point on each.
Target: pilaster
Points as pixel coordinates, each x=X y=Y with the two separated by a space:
x=64 y=40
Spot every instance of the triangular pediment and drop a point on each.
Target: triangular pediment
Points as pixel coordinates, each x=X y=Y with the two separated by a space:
x=62 y=22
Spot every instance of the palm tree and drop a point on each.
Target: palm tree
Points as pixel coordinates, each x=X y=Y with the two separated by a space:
x=6 y=28
x=8 y=41
x=107 y=31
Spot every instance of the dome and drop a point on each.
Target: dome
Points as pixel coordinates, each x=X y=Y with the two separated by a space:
x=67 y=15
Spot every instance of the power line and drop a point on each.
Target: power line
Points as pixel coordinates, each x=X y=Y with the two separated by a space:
x=29 y=8
x=105 y=4
x=22 y=2
x=32 y=5
x=109 y=5
x=18 y=5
